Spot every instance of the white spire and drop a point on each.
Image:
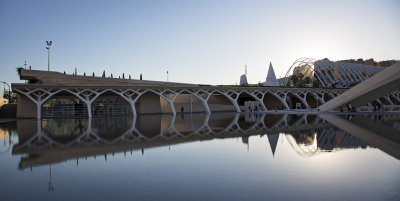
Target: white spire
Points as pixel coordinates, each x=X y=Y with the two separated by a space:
x=273 y=142
x=271 y=78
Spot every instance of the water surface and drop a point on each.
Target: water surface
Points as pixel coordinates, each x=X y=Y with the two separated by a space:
x=221 y=156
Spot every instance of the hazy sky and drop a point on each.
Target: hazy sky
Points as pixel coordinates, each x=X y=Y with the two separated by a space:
x=196 y=41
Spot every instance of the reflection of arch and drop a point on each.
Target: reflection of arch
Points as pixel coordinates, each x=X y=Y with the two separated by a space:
x=110 y=128
x=219 y=122
x=311 y=119
x=272 y=120
x=272 y=101
x=233 y=125
x=64 y=130
x=251 y=121
x=126 y=134
x=295 y=119
x=197 y=121
x=243 y=124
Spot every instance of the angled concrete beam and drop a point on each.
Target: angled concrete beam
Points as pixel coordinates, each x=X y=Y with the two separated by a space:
x=374 y=134
x=375 y=87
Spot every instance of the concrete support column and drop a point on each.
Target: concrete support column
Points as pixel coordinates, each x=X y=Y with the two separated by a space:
x=39 y=109
x=89 y=108
x=203 y=101
x=260 y=102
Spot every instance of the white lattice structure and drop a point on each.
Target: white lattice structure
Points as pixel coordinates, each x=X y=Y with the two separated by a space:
x=39 y=94
x=267 y=98
x=343 y=75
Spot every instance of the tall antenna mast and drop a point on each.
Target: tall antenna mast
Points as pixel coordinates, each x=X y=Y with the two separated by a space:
x=25 y=64
x=245 y=69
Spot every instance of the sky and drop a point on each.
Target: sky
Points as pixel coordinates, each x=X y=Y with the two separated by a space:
x=199 y=41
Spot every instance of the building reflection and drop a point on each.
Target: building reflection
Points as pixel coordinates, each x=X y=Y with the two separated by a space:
x=7 y=132
x=55 y=140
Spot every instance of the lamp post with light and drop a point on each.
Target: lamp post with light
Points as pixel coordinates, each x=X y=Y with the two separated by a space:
x=167 y=77
x=48 y=49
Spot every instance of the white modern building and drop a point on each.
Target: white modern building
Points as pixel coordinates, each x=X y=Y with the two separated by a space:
x=341 y=74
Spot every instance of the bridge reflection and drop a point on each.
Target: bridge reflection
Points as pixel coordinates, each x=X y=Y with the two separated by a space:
x=50 y=141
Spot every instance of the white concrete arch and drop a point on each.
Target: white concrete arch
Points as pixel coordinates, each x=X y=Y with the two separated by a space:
x=276 y=95
x=40 y=98
x=260 y=102
x=203 y=102
x=315 y=96
x=120 y=94
x=161 y=95
x=300 y=98
x=233 y=101
x=88 y=96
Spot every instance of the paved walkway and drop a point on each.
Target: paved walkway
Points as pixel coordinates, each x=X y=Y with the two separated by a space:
x=4 y=120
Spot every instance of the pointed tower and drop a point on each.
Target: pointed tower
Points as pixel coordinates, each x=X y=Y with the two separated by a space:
x=271 y=78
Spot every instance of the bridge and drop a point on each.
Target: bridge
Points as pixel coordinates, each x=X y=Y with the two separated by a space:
x=53 y=94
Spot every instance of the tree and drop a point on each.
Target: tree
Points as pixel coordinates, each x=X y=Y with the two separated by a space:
x=293 y=78
x=300 y=79
x=13 y=99
x=307 y=80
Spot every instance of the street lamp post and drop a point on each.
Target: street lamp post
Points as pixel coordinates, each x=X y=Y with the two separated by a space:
x=167 y=77
x=48 y=50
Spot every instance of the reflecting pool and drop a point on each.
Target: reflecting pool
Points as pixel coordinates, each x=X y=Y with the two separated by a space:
x=222 y=156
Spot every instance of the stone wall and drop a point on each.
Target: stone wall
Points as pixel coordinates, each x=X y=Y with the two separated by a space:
x=25 y=108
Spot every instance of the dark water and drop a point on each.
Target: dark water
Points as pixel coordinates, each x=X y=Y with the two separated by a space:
x=202 y=157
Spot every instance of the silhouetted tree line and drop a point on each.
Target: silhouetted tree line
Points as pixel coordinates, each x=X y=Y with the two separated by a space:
x=370 y=62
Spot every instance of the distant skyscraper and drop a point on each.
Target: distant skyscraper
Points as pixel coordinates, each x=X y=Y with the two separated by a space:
x=271 y=78
x=243 y=78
